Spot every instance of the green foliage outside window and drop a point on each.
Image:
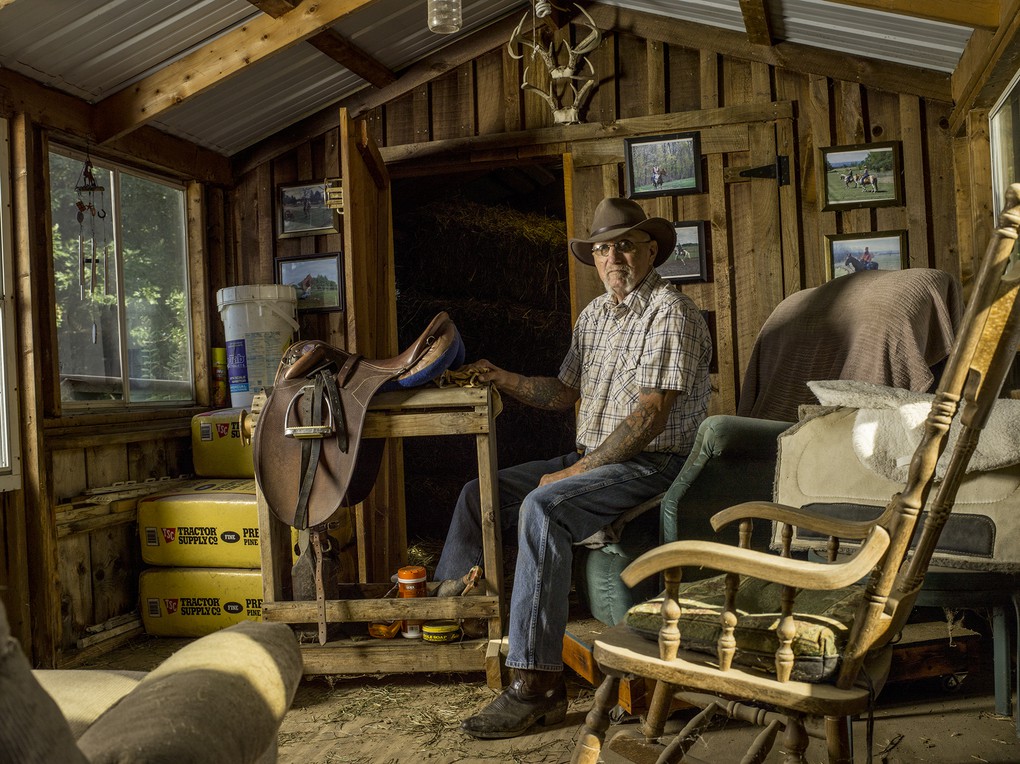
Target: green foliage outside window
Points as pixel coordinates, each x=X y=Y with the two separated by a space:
x=123 y=321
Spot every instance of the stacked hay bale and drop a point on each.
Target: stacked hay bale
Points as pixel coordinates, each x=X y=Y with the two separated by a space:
x=501 y=274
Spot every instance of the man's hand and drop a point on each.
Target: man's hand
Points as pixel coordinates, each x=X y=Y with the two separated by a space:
x=492 y=373
x=566 y=472
x=540 y=392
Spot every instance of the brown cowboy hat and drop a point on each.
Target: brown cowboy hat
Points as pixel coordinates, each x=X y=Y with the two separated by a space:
x=614 y=218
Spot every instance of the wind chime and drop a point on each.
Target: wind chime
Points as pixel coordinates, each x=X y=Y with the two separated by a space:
x=89 y=192
x=91 y=227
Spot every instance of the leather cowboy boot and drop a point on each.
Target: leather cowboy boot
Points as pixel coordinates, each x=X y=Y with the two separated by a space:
x=533 y=696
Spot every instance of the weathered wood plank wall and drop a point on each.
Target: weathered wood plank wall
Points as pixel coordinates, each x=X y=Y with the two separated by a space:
x=60 y=575
x=73 y=574
x=456 y=121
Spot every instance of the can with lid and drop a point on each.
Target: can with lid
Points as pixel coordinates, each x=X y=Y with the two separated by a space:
x=411 y=583
x=440 y=631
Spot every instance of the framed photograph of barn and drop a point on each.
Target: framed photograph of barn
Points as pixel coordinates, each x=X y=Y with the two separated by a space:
x=688 y=261
x=318 y=280
x=663 y=165
x=878 y=251
x=302 y=211
x=865 y=175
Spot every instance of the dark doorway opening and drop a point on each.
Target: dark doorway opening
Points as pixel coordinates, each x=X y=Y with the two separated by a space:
x=489 y=248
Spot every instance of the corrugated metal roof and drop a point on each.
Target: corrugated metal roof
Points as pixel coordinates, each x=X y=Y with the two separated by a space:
x=93 y=48
x=396 y=32
x=874 y=34
x=261 y=100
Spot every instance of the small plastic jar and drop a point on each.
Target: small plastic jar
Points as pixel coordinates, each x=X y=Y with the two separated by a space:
x=441 y=631
x=411 y=583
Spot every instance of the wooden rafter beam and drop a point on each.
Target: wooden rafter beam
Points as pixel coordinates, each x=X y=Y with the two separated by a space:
x=351 y=57
x=986 y=68
x=336 y=46
x=69 y=115
x=275 y=8
x=984 y=14
x=214 y=63
x=435 y=65
x=884 y=75
x=757 y=21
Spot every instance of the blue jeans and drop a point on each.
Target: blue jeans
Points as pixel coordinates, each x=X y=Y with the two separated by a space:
x=549 y=520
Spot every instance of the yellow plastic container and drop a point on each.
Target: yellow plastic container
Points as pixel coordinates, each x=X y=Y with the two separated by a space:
x=193 y=602
x=215 y=526
x=218 y=446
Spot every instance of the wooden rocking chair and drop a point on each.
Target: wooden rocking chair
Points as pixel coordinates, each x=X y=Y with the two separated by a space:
x=801 y=647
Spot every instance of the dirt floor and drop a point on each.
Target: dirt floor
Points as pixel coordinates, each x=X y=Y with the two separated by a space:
x=388 y=719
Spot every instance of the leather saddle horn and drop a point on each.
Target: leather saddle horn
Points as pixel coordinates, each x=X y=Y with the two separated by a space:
x=310 y=458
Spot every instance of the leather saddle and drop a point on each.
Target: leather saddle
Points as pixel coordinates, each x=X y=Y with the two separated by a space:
x=310 y=458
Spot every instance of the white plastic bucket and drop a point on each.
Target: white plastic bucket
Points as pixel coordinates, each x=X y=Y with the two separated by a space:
x=259 y=321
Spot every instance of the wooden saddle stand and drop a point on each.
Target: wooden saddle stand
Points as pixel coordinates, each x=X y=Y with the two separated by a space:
x=310 y=458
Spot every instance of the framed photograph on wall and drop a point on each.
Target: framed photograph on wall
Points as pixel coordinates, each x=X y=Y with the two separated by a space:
x=688 y=261
x=848 y=253
x=663 y=165
x=865 y=175
x=318 y=280
x=301 y=211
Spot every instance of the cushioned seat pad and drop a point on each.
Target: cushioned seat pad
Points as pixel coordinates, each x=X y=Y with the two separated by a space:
x=823 y=624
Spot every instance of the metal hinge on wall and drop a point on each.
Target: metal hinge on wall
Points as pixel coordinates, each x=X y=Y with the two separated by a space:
x=780 y=170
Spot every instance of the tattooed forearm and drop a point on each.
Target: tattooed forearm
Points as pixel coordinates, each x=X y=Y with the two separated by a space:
x=636 y=431
x=542 y=392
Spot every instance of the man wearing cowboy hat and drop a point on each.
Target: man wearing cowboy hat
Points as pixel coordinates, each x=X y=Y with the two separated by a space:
x=638 y=364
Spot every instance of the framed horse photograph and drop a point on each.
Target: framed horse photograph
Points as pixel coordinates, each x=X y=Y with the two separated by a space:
x=663 y=165
x=689 y=259
x=318 y=280
x=849 y=253
x=865 y=175
x=301 y=210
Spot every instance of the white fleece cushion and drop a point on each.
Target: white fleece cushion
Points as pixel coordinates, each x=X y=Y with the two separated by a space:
x=890 y=423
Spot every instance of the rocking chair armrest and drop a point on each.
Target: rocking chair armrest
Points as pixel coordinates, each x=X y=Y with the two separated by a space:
x=761 y=565
x=801 y=518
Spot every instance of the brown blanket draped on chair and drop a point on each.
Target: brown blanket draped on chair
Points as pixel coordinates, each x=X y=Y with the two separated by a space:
x=885 y=327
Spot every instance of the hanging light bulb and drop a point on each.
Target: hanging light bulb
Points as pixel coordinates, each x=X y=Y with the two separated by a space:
x=444 y=16
x=542 y=8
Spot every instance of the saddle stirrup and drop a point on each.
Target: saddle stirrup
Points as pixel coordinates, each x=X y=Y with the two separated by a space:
x=312 y=434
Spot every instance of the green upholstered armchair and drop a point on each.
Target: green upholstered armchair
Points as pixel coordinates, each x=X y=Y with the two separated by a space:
x=733 y=460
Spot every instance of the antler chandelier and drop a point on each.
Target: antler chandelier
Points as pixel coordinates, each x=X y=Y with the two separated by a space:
x=564 y=78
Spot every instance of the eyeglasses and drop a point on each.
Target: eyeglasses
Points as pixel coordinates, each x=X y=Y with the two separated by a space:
x=623 y=246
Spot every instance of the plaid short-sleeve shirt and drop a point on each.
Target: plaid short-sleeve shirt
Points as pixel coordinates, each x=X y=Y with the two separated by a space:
x=655 y=338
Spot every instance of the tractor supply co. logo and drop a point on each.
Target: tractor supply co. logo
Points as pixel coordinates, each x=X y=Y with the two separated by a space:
x=193 y=535
x=200 y=606
x=222 y=429
x=187 y=606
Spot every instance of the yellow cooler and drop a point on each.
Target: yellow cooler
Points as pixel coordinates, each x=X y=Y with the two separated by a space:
x=193 y=602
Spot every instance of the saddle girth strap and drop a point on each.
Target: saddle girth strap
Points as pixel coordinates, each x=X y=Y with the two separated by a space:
x=320 y=588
